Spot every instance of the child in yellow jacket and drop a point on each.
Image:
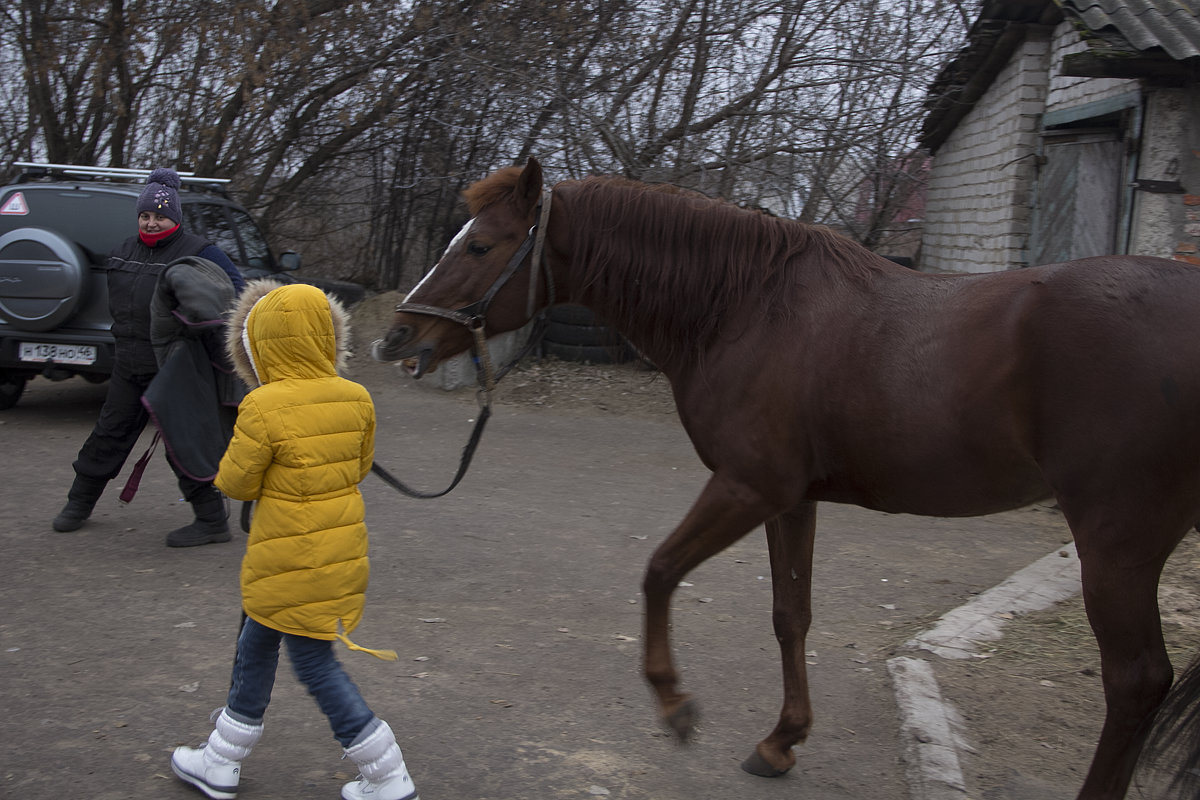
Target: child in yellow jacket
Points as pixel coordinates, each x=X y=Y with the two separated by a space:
x=304 y=440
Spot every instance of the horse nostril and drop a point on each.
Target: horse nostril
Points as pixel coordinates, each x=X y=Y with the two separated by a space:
x=398 y=335
x=385 y=349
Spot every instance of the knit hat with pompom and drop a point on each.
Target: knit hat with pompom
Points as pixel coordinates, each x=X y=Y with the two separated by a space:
x=161 y=194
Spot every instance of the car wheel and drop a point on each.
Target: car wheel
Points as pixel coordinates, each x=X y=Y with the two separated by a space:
x=11 y=387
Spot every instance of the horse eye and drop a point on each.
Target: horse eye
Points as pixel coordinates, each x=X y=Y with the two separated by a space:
x=476 y=249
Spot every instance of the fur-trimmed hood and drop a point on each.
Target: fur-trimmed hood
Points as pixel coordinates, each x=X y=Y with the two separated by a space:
x=288 y=335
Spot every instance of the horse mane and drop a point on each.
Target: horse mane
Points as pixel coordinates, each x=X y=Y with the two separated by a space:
x=675 y=268
x=668 y=266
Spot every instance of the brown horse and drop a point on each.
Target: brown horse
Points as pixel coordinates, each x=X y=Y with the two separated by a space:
x=805 y=368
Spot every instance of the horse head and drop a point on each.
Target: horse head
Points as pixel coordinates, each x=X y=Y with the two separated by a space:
x=475 y=285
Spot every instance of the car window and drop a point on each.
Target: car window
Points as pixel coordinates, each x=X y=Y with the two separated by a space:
x=257 y=252
x=210 y=221
x=98 y=221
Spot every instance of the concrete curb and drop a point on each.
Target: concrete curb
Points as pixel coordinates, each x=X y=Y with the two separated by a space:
x=1049 y=580
x=930 y=727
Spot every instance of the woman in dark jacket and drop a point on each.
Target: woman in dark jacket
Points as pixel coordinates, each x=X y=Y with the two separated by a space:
x=133 y=270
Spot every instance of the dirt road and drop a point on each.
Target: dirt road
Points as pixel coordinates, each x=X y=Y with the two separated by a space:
x=514 y=604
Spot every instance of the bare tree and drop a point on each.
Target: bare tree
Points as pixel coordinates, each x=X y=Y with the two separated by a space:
x=84 y=69
x=351 y=126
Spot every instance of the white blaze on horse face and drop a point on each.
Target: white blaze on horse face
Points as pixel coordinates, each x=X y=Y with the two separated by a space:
x=458 y=237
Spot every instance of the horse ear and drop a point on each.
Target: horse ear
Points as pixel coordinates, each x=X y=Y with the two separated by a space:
x=529 y=186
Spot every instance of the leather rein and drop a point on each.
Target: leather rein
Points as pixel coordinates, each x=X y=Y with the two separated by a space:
x=473 y=317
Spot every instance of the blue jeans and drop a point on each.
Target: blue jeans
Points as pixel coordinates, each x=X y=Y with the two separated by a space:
x=314 y=664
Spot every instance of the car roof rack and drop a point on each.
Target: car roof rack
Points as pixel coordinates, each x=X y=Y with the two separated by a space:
x=35 y=169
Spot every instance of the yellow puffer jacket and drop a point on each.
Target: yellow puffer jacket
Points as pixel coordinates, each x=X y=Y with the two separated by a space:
x=304 y=439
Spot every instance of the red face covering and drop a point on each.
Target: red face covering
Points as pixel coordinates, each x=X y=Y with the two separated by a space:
x=152 y=239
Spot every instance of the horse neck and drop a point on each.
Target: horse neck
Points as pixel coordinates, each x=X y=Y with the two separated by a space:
x=671 y=319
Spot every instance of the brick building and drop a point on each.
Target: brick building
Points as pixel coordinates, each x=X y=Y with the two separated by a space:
x=1064 y=129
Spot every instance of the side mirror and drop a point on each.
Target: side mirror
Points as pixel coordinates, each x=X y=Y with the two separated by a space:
x=289 y=260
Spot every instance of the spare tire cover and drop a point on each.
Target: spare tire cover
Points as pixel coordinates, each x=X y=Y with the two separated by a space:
x=42 y=278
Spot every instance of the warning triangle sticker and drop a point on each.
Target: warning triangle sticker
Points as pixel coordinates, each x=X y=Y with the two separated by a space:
x=15 y=205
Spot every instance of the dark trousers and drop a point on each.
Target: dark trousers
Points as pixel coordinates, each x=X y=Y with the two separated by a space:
x=122 y=420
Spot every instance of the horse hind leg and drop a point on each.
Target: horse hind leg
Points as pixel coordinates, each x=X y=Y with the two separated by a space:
x=1120 y=590
x=790 y=542
x=723 y=514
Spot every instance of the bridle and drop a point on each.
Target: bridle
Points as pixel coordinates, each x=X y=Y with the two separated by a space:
x=473 y=318
x=473 y=315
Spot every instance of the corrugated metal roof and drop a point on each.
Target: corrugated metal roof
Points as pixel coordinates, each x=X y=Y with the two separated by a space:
x=1156 y=39
x=996 y=32
x=1171 y=25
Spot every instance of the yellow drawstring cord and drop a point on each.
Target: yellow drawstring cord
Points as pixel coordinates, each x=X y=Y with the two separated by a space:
x=386 y=655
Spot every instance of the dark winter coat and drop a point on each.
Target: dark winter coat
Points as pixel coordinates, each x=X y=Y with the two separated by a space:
x=193 y=398
x=133 y=270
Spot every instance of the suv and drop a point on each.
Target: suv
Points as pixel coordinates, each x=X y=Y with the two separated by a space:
x=58 y=224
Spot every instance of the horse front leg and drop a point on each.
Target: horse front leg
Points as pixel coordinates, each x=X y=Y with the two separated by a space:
x=723 y=514
x=790 y=542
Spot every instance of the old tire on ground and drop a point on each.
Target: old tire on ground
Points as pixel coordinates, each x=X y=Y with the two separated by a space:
x=590 y=335
x=588 y=354
x=571 y=314
x=572 y=334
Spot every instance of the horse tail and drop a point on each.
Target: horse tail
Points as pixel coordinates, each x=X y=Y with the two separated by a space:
x=1169 y=766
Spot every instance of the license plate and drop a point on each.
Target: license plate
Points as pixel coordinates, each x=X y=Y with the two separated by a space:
x=58 y=353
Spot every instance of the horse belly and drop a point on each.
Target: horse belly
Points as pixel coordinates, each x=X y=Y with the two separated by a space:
x=938 y=481
x=960 y=443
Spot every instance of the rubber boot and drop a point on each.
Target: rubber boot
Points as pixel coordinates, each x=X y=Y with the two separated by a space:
x=81 y=499
x=215 y=767
x=209 y=526
x=383 y=775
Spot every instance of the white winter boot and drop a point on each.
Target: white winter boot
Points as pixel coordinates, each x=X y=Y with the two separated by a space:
x=215 y=768
x=381 y=764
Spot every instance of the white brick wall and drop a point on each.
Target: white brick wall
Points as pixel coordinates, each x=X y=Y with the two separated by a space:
x=1067 y=92
x=977 y=216
x=980 y=186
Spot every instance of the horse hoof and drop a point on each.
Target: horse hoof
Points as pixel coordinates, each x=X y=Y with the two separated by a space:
x=683 y=719
x=757 y=765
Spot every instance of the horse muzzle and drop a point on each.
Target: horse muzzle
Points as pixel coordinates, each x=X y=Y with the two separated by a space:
x=400 y=344
x=416 y=363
